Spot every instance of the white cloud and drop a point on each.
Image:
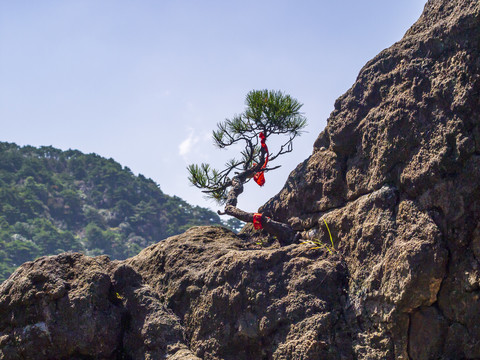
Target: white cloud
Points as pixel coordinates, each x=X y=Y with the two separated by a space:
x=186 y=145
x=166 y=93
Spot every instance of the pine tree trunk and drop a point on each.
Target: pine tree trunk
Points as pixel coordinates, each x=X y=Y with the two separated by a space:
x=282 y=231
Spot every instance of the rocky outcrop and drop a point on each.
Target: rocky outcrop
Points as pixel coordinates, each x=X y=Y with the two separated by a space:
x=204 y=294
x=71 y=306
x=396 y=176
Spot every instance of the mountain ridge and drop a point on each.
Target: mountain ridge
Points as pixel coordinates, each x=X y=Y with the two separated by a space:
x=54 y=201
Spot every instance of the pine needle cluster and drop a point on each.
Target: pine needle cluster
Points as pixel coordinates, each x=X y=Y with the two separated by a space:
x=268 y=112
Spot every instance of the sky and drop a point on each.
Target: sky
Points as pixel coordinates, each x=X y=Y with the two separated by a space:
x=145 y=82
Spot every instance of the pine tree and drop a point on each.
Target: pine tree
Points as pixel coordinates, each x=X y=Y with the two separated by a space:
x=267 y=113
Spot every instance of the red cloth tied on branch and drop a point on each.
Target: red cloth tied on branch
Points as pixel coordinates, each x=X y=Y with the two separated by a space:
x=259 y=177
x=257 y=221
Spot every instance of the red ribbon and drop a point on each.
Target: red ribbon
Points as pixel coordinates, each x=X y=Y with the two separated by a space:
x=257 y=221
x=259 y=178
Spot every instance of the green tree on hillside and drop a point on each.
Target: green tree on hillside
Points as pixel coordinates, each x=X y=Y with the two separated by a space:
x=53 y=201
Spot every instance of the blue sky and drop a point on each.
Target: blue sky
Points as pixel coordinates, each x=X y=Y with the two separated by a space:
x=145 y=82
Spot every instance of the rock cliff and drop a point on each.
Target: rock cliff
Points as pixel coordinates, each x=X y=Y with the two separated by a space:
x=395 y=174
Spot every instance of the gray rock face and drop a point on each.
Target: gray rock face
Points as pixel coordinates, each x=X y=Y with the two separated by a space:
x=74 y=307
x=396 y=176
x=205 y=294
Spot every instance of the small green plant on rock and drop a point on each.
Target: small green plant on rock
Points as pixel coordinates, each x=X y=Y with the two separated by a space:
x=318 y=244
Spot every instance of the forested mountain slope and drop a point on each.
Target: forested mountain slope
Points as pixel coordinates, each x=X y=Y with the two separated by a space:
x=52 y=201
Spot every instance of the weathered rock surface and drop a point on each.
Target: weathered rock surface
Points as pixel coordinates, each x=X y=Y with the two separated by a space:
x=74 y=307
x=395 y=174
x=203 y=294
